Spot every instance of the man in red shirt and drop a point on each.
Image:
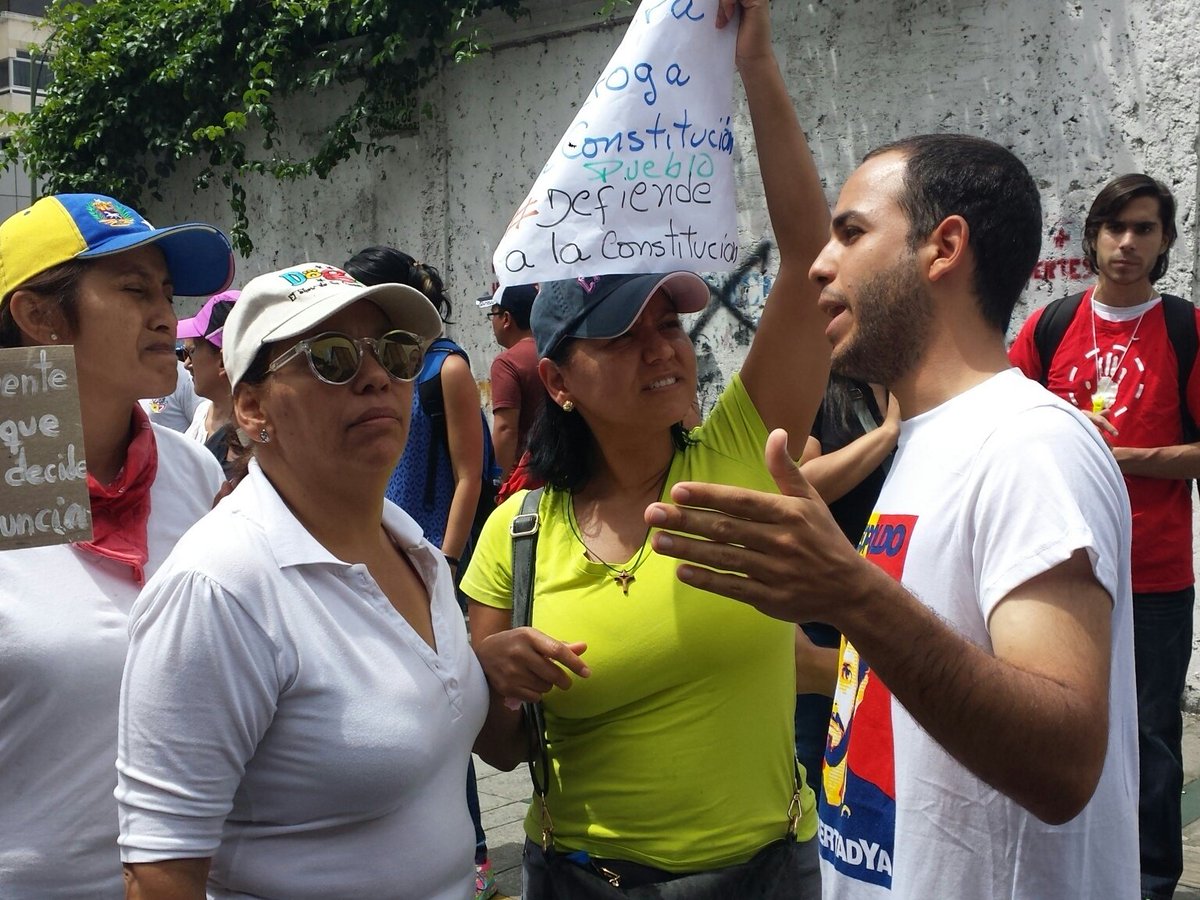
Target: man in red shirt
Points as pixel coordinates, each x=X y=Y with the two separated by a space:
x=517 y=390
x=1117 y=363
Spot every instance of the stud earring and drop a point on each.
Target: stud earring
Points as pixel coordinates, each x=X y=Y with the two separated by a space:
x=568 y=406
x=53 y=336
x=264 y=435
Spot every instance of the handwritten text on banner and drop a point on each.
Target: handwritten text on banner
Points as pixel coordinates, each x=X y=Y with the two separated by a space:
x=643 y=179
x=43 y=475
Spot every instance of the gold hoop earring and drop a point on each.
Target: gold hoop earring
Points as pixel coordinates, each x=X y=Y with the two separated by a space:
x=568 y=406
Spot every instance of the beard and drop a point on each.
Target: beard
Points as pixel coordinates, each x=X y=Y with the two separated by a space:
x=892 y=320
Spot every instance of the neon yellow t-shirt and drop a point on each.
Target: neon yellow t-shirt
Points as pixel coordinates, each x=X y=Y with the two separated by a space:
x=678 y=750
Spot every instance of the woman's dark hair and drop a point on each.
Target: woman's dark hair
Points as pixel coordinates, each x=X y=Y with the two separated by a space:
x=387 y=265
x=1113 y=198
x=59 y=284
x=256 y=373
x=838 y=403
x=562 y=449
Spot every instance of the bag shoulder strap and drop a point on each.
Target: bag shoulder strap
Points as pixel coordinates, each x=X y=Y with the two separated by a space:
x=524 y=530
x=1180 y=317
x=1049 y=331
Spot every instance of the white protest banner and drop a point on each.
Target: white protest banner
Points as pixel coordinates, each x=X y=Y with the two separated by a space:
x=643 y=179
x=43 y=492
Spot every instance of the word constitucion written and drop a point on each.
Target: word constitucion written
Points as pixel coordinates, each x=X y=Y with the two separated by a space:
x=642 y=179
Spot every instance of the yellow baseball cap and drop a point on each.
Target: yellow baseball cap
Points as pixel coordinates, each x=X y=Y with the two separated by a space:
x=63 y=227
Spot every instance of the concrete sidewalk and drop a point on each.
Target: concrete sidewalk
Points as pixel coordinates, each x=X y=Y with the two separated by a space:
x=504 y=797
x=1189 y=885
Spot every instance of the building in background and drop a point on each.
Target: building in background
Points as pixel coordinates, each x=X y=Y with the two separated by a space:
x=24 y=75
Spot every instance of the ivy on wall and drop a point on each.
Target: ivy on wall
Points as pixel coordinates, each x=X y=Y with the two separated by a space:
x=141 y=86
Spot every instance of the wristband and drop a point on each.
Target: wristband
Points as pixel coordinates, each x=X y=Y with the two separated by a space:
x=452 y=560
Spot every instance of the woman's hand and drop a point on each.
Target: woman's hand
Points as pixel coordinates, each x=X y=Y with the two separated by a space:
x=522 y=664
x=754 y=29
x=891 y=420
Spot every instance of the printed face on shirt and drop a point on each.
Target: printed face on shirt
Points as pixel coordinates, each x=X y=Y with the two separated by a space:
x=851 y=683
x=879 y=308
x=125 y=345
x=1129 y=244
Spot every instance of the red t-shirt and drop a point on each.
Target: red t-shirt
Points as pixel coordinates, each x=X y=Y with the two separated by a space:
x=516 y=385
x=1146 y=412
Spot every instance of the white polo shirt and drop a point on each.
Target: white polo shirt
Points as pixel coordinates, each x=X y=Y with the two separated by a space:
x=280 y=716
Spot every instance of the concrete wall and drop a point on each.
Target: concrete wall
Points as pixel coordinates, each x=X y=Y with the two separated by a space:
x=1080 y=91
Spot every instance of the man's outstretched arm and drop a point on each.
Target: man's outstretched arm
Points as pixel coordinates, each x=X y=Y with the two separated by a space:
x=1029 y=718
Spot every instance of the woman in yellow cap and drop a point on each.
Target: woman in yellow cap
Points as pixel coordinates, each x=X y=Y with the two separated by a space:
x=86 y=270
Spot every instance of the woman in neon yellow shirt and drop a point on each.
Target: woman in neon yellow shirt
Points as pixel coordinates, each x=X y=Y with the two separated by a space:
x=672 y=753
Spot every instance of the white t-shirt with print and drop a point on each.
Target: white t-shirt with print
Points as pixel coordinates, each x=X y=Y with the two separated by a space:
x=988 y=490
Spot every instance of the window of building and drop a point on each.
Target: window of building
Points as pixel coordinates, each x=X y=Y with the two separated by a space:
x=17 y=73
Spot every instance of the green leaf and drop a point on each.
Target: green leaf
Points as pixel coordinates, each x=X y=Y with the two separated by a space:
x=140 y=86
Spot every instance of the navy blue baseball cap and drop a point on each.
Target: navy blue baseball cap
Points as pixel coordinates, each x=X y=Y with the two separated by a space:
x=606 y=306
x=514 y=298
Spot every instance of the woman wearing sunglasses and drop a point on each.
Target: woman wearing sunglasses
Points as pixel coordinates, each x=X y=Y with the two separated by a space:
x=300 y=699
x=212 y=425
x=439 y=479
x=88 y=271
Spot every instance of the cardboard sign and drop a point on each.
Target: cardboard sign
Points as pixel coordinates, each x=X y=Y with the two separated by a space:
x=43 y=492
x=643 y=179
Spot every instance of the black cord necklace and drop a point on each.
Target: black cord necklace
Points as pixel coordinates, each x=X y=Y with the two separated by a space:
x=625 y=575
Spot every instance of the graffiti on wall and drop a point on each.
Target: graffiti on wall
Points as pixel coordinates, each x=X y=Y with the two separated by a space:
x=1061 y=265
x=729 y=321
x=1061 y=271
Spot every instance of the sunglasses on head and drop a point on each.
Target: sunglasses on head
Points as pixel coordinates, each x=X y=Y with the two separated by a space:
x=335 y=358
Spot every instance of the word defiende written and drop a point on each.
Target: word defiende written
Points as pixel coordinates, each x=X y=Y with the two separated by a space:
x=628 y=190
x=44 y=460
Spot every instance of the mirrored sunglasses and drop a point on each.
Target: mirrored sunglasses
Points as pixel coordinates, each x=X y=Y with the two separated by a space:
x=335 y=358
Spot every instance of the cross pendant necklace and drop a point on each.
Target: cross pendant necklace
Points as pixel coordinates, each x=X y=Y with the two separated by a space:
x=626 y=575
x=623 y=578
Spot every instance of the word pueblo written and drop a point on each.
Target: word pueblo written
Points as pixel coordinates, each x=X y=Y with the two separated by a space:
x=643 y=177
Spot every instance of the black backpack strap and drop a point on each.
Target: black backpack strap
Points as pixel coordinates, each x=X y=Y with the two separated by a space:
x=524 y=531
x=1180 y=317
x=1049 y=331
